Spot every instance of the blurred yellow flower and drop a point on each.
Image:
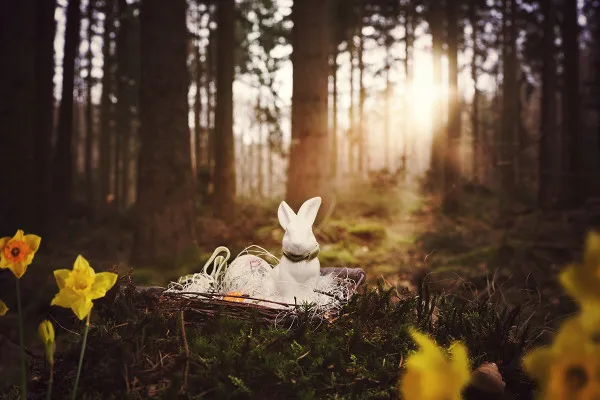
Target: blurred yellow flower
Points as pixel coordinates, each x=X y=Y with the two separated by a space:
x=234 y=299
x=570 y=368
x=582 y=281
x=17 y=253
x=46 y=334
x=431 y=375
x=78 y=287
x=3 y=308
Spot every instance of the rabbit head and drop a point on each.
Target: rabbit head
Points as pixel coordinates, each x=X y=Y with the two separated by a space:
x=299 y=238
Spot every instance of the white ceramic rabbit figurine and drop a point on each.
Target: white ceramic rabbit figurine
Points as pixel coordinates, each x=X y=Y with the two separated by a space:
x=300 y=260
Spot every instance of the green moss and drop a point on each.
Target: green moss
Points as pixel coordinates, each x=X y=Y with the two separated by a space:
x=356 y=357
x=336 y=256
x=369 y=231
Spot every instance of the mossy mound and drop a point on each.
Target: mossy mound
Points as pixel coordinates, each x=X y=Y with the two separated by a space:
x=135 y=353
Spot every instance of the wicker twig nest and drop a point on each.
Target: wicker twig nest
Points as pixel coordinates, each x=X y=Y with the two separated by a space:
x=200 y=307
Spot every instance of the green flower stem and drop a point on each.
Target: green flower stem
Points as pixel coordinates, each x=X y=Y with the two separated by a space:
x=21 y=344
x=85 y=335
x=50 y=382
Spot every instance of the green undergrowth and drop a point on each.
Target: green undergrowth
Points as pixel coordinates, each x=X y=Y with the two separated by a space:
x=135 y=352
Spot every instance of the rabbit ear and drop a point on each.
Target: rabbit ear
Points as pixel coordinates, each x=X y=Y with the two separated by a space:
x=309 y=210
x=285 y=215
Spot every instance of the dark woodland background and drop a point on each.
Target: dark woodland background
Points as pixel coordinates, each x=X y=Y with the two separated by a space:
x=174 y=121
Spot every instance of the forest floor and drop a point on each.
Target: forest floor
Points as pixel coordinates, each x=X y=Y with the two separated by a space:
x=487 y=251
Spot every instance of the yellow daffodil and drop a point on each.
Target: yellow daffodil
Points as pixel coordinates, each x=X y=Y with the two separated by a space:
x=570 y=368
x=3 y=308
x=17 y=253
x=431 y=375
x=78 y=287
x=46 y=333
x=234 y=299
x=582 y=281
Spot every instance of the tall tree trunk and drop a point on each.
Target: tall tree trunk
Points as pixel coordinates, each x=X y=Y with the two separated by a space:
x=387 y=100
x=452 y=159
x=18 y=101
x=509 y=95
x=548 y=137
x=198 y=101
x=106 y=115
x=476 y=146
x=261 y=147
x=437 y=140
x=308 y=171
x=334 y=123
x=351 y=112
x=573 y=182
x=224 y=178
x=270 y=170
x=62 y=174
x=166 y=195
x=211 y=50
x=362 y=96
x=408 y=43
x=44 y=121
x=123 y=115
x=89 y=115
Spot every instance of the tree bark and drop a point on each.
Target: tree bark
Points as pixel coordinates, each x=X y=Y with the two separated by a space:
x=362 y=97
x=166 y=195
x=106 y=108
x=62 y=176
x=573 y=182
x=224 y=177
x=476 y=146
x=452 y=159
x=351 y=139
x=308 y=171
x=198 y=103
x=508 y=149
x=89 y=115
x=334 y=128
x=437 y=140
x=123 y=108
x=44 y=121
x=18 y=100
x=408 y=43
x=387 y=106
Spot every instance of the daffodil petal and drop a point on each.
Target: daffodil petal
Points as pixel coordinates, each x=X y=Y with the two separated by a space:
x=4 y=263
x=3 y=308
x=61 y=276
x=65 y=298
x=19 y=235
x=427 y=345
x=410 y=385
x=82 y=265
x=33 y=241
x=537 y=363
x=3 y=242
x=591 y=257
x=103 y=282
x=18 y=269
x=460 y=362
x=82 y=307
